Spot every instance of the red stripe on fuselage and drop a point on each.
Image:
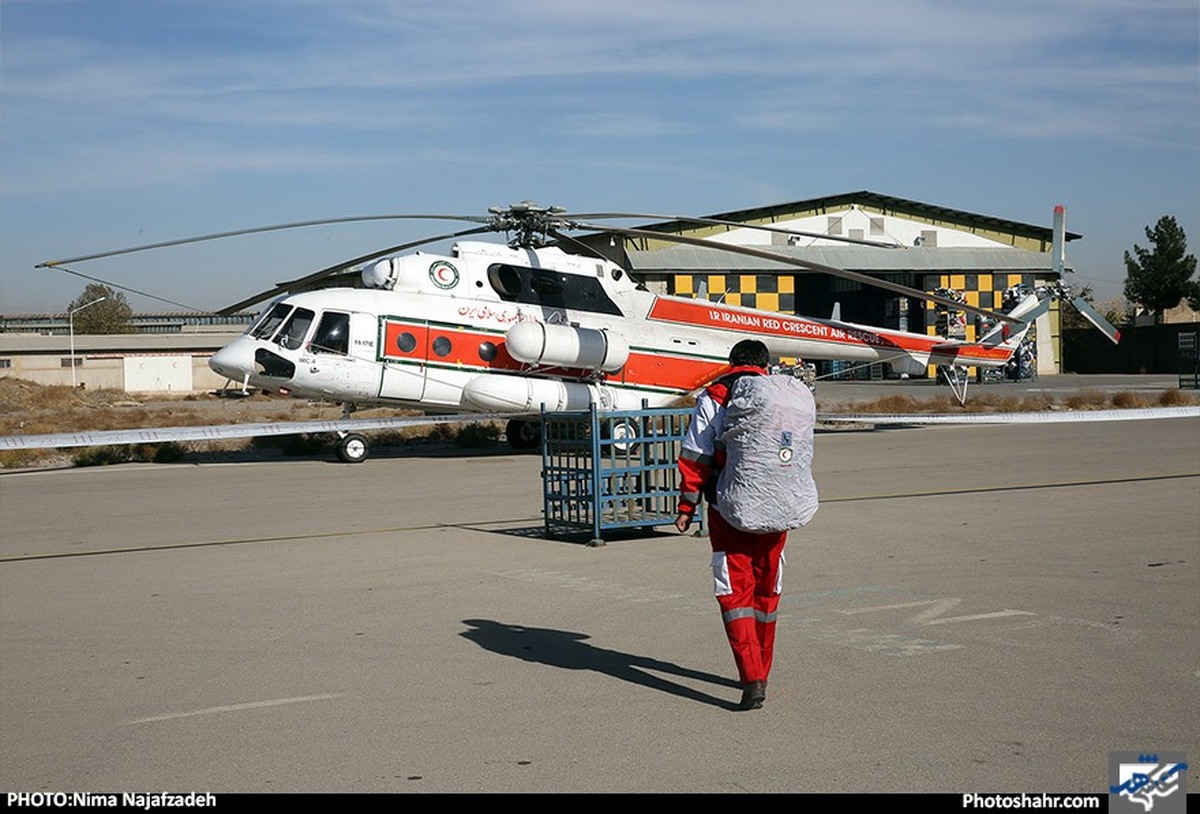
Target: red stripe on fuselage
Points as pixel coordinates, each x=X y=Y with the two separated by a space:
x=466 y=349
x=709 y=315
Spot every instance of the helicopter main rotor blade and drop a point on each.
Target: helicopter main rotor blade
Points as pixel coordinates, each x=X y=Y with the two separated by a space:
x=806 y=264
x=731 y=223
x=342 y=266
x=1093 y=316
x=257 y=230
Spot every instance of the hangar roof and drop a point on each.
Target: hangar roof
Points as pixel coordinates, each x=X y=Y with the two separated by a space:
x=886 y=204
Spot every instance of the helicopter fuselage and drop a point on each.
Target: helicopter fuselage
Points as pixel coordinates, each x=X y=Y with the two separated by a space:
x=496 y=329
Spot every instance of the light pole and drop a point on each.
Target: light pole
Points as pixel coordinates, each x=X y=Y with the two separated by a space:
x=71 y=328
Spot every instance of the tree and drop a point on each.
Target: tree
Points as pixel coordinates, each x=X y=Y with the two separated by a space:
x=110 y=316
x=1160 y=278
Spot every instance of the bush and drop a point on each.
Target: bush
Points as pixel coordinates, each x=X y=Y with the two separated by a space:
x=1086 y=400
x=103 y=456
x=441 y=433
x=478 y=435
x=21 y=458
x=1175 y=398
x=1127 y=400
x=296 y=444
x=166 y=453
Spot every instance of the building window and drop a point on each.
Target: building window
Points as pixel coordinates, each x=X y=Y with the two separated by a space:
x=835 y=225
x=5 y=364
x=68 y=361
x=876 y=227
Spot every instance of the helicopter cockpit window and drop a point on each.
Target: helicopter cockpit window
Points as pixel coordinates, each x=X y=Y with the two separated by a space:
x=271 y=321
x=292 y=335
x=332 y=334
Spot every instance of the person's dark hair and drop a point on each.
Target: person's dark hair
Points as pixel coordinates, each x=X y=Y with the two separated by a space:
x=749 y=352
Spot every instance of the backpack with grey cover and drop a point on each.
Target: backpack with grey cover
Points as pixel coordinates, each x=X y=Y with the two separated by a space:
x=766 y=484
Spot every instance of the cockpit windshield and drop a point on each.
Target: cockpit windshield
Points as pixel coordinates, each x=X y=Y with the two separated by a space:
x=270 y=321
x=291 y=336
x=295 y=322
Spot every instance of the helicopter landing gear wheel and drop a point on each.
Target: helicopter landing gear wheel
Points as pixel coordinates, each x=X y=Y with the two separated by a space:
x=622 y=435
x=523 y=434
x=352 y=448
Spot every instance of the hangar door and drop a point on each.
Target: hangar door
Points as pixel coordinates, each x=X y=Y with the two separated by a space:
x=158 y=374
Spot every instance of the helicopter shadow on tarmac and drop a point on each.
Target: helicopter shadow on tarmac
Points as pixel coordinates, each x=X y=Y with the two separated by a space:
x=568 y=650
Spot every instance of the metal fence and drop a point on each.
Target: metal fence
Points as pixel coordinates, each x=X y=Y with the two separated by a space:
x=1189 y=361
x=605 y=471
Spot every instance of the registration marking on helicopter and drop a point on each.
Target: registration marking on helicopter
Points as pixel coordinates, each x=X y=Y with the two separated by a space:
x=705 y=315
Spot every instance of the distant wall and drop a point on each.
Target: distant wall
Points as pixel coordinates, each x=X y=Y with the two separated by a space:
x=132 y=362
x=1147 y=349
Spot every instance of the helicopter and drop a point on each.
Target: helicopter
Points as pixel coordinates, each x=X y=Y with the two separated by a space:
x=507 y=330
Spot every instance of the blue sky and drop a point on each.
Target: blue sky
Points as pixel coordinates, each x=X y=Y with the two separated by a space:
x=124 y=122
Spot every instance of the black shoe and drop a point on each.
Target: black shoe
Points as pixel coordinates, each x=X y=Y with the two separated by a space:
x=753 y=695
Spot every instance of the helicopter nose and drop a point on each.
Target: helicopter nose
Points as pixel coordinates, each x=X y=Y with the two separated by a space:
x=235 y=360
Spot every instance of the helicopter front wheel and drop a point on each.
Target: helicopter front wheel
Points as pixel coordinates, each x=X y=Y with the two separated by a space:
x=523 y=434
x=352 y=448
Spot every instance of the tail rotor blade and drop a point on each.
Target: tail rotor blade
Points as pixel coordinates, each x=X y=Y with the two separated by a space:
x=1093 y=316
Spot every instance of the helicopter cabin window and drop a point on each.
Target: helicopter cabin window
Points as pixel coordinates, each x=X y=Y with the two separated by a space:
x=406 y=342
x=291 y=336
x=271 y=321
x=333 y=334
x=547 y=288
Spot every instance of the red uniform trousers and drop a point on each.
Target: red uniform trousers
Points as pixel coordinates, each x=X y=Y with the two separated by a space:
x=747 y=580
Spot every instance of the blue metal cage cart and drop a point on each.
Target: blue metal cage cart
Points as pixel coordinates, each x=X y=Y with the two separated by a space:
x=603 y=471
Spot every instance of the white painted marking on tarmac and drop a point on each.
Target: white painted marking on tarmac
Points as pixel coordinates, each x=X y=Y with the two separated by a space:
x=874 y=641
x=234 y=708
x=933 y=616
x=977 y=617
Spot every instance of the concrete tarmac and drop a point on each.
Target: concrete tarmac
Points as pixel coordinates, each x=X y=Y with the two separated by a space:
x=982 y=608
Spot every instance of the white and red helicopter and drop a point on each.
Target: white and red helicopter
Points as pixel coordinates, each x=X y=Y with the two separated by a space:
x=506 y=330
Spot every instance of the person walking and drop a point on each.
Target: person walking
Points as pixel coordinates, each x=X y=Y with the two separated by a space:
x=747 y=566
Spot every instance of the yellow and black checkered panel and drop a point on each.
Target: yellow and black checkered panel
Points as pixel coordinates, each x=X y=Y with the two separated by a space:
x=769 y=292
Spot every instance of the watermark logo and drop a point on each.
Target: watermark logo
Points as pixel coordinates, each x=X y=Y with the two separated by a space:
x=1147 y=781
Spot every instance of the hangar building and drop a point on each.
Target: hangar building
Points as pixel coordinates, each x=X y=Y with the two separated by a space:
x=933 y=247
